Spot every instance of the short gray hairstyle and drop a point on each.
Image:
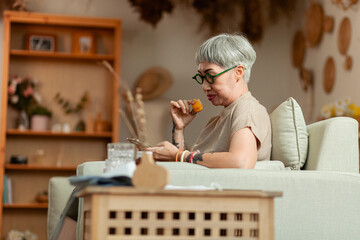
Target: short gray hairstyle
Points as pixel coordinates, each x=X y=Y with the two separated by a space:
x=228 y=50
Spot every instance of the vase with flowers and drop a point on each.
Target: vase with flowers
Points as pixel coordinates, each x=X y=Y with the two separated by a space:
x=21 y=96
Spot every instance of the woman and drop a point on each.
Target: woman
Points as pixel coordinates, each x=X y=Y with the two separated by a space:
x=241 y=134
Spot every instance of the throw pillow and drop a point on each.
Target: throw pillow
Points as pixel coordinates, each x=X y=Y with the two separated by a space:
x=289 y=135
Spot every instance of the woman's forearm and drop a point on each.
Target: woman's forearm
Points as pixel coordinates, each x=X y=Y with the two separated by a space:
x=178 y=138
x=222 y=160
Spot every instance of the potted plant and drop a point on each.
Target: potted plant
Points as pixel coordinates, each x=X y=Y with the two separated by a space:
x=40 y=118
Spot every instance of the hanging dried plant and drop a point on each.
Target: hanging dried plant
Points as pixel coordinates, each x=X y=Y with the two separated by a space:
x=253 y=22
x=247 y=16
x=152 y=11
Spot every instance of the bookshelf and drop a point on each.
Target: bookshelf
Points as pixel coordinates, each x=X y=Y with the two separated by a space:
x=71 y=72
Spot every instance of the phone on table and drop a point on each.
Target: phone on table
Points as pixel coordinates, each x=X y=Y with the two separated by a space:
x=141 y=145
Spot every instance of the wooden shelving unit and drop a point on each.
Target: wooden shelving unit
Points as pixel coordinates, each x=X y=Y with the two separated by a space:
x=26 y=167
x=16 y=132
x=26 y=206
x=61 y=55
x=70 y=73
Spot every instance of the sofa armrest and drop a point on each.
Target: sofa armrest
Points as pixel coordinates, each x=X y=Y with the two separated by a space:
x=333 y=145
x=60 y=190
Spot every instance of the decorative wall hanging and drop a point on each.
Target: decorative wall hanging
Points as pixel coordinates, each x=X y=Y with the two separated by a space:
x=298 y=49
x=344 y=36
x=306 y=78
x=329 y=75
x=348 y=63
x=328 y=24
x=152 y=11
x=249 y=17
x=314 y=24
x=317 y=23
x=13 y=5
x=344 y=4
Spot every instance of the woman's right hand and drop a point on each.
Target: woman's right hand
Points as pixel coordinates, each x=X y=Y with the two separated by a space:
x=180 y=113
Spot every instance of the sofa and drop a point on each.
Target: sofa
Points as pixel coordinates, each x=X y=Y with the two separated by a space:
x=321 y=190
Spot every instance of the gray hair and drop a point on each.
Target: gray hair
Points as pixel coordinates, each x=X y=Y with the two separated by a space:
x=228 y=50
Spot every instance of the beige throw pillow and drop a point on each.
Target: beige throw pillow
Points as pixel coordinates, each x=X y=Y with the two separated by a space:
x=289 y=135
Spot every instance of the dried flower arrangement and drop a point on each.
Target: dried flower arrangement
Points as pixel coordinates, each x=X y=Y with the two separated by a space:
x=134 y=115
x=245 y=16
x=22 y=93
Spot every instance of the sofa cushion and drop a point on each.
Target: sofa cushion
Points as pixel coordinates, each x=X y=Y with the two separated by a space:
x=289 y=135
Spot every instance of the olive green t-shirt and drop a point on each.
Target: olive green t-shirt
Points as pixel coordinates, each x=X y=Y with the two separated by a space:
x=244 y=112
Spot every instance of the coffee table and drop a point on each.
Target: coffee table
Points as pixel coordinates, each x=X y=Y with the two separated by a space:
x=131 y=213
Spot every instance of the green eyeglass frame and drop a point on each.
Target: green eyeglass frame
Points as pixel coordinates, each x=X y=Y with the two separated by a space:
x=208 y=77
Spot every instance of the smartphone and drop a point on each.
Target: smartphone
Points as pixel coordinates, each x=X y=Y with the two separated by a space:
x=138 y=143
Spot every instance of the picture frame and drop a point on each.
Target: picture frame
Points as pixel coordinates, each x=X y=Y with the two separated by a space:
x=84 y=43
x=41 y=42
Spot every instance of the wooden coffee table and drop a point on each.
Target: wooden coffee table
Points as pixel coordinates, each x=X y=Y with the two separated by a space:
x=130 y=213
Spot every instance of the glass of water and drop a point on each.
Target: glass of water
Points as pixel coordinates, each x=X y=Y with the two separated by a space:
x=119 y=155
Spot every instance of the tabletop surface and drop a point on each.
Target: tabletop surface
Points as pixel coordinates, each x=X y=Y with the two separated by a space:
x=186 y=191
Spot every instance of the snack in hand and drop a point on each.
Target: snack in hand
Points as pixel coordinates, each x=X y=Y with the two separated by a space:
x=197 y=106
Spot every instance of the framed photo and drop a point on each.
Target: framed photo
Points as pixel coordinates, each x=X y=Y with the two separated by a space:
x=84 y=42
x=41 y=42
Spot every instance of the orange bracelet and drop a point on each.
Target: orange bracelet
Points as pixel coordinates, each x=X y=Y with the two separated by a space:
x=177 y=154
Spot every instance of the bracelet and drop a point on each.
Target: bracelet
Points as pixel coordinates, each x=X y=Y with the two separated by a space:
x=193 y=155
x=183 y=154
x=177 y=154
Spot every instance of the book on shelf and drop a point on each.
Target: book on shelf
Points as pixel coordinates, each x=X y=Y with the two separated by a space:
x=7 y=190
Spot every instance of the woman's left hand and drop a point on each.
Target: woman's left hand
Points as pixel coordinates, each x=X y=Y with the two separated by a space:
x=164 y=151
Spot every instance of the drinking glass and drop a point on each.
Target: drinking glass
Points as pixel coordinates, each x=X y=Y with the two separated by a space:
x=119 y=155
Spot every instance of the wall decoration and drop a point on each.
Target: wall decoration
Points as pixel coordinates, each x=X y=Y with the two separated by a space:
x=344 y=36
x=344 y=4
x=13 y=5
x=348 y=63
x=314 y=24
x=328 y=24
x=152 y=11
x=329 y=75
x=298 y=49
x=306 y=78
x=249 y=17
x=41 y=42
x=154 y=82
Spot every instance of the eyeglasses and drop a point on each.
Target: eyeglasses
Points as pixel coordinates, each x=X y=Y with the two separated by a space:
x=208 y=77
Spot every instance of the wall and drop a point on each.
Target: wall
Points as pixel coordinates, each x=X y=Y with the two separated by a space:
x=346 y=82
x=172 y=44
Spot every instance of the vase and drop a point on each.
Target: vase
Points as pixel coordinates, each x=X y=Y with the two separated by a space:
x=23 y=120
x=40 y=123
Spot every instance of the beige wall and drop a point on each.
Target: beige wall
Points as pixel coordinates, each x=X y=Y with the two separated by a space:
x=346 y=82
x=172 y=44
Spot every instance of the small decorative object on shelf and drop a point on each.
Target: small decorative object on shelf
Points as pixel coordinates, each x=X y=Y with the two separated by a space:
x=42 y=197
x=41 y=42
x=84 y=42
x=18 y=235
x=101 y=125
x=22 y=96
x=39 y=156
x=40 y=118
x=18 y=159
x=79 y=107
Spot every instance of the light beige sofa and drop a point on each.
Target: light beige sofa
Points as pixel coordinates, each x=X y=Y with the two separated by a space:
x=320 y=201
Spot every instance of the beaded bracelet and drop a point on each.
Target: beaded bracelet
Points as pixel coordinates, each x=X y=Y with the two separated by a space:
x=177 y=154
x=191 y=159
x=183 y=154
